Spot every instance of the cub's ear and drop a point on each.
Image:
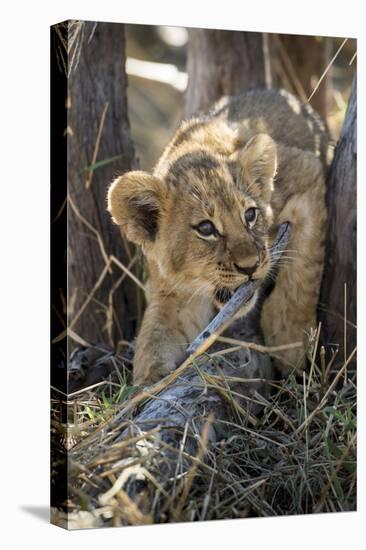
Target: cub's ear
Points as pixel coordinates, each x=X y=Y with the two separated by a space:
x=258 y=160
x=135 y=202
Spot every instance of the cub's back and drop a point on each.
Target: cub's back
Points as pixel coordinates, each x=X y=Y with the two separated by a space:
x=278 y=113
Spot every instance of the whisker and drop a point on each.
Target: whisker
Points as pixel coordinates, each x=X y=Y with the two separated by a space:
x=205 y=285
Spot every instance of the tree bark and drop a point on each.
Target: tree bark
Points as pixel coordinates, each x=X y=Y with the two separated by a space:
x=221 y=63
x=298 y=62
x=98 y=129
x=340 y=265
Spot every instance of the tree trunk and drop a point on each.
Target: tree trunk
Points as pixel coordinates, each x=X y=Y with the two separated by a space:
x=298 y=62
x=221 y=63
x=98 y=130
x=338 y=293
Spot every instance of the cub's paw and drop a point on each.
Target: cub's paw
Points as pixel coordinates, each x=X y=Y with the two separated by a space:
x=145 y=374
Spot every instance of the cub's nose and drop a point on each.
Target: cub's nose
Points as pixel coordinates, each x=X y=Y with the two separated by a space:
x=247 y=270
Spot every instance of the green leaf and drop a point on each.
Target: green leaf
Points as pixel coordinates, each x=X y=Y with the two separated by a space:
x=89 y=412
x=127 y=392
x=106 y=402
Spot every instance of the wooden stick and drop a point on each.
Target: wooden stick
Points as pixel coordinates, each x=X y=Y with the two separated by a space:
x=205 y=339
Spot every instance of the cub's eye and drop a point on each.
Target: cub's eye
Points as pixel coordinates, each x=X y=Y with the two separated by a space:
x=251 y=216
x=206 y=229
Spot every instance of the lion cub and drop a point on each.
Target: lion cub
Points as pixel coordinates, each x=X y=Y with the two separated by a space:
x=207 y=216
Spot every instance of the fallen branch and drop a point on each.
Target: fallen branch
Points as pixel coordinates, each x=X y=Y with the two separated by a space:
x=205 y=385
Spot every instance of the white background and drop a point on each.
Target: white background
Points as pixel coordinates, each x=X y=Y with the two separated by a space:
x=24 y=271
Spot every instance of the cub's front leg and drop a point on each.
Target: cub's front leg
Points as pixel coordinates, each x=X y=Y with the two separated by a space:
x=168 y=327
x=289 y=314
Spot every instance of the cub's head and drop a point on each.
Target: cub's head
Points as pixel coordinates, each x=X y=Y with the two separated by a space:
x=203 y=218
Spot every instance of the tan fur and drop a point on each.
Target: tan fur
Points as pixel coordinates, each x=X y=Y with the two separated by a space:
x=262 y=150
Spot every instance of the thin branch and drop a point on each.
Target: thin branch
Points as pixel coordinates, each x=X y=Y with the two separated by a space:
x=327 y=69
x=258 y=347
x=128 y=272
x=93 y=230
x=353 y=58
x=91 y=294
x=90 y=172
x=313 y=358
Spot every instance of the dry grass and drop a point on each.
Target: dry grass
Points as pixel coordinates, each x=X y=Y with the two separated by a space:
x=300 y=458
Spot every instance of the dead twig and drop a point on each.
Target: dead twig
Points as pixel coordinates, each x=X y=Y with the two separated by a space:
x=304 y=425
x=327 y=69
x=92 y=229
x=258 y=347
x=90 y=171
x=128 y=272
